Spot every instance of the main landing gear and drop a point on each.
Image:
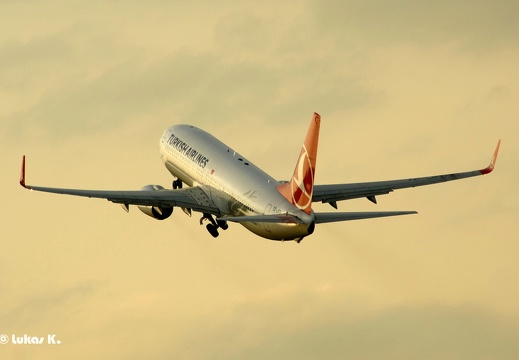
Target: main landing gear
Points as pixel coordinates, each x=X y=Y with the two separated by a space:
x=214 y=225
x=177 y=184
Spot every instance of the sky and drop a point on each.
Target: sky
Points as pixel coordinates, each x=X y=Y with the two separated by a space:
x=404 y=89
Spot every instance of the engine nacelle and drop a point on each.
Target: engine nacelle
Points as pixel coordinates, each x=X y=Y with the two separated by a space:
x=156 y=212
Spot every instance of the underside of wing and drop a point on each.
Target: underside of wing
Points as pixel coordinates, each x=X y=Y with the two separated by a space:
x=337 y=192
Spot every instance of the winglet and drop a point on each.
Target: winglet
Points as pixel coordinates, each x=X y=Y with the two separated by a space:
x=490 y=167
x=22 y=173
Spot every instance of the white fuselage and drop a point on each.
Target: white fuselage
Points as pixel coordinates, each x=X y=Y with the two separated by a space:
x=236 y=185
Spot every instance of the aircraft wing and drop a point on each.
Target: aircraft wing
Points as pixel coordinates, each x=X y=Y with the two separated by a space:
x=336 y=192
x=195 y=198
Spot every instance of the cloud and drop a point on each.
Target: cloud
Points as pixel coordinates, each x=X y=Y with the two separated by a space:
x=87 y=93
x=403 y=333
x=474 y=26
x=46 y=305
x=312 y=325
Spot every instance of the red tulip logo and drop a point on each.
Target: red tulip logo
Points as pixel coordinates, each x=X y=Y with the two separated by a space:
x=303 y=181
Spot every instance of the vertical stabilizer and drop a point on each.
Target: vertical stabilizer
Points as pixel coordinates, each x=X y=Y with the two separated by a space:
x=299 y=189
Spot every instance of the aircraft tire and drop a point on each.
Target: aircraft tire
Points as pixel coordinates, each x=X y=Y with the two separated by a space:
x=213 y=230
x=223 y=224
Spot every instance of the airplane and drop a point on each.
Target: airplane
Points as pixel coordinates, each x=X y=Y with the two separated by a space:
x=226 y=187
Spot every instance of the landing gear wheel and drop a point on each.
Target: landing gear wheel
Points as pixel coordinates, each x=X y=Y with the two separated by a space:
x=222 y=224
x=213 y=225
x=177 y=184
x=213 y=230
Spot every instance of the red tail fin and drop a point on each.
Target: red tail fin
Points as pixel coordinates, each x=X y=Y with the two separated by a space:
x=299 y=189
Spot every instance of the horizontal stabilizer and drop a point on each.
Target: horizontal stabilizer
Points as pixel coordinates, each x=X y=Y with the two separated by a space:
x=277 y=218
x=321 y=218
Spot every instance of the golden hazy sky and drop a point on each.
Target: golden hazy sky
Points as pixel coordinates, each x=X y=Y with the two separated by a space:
x=405 y=88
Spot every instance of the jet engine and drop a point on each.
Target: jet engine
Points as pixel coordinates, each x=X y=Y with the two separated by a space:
x=156 y=212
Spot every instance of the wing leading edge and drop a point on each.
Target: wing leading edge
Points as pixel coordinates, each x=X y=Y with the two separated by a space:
x=337 y=192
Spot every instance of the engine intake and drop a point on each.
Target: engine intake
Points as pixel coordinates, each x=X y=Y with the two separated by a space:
x=156 y=212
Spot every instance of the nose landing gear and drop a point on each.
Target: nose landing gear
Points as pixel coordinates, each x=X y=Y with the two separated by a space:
x=213 y=225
